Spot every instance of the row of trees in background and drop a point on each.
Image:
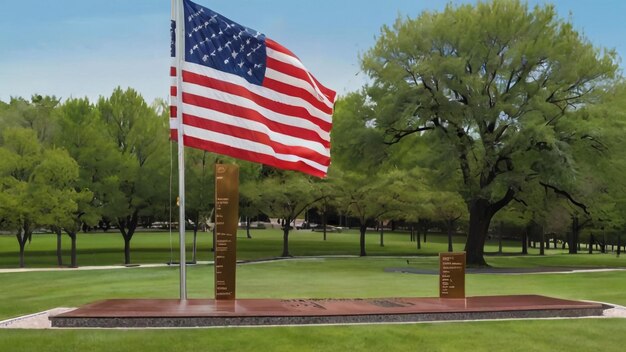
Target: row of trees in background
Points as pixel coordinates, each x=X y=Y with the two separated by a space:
x=481 y=124
x=74 y=164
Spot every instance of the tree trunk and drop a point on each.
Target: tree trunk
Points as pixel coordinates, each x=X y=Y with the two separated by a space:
x=500 y=237
x=603 y=246
x=194 y=248
x=286 y=238
x=419 y=241
x=590 y=244
x=248 y=227
x=22 y=254
x=362 y=229
x=619 y=244
x=542 y=243
x=214 y=236
x=59 y=234
x=382 y=240
x=573 y=247
x=22 y=241
x=73 y=263
x=126 y=250
x=449 y=223
x=23 y=235
x=324 y=223
x=422 y=226
x=479 y=219
x=127 y=227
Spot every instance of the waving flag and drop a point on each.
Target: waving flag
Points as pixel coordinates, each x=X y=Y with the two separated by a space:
x=246 y=96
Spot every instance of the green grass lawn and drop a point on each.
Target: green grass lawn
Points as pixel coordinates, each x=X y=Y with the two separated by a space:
x=29 y=292
x=159 y=247
x=524 y=336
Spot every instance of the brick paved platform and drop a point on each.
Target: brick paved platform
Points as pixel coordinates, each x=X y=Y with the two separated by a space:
x=209 y=312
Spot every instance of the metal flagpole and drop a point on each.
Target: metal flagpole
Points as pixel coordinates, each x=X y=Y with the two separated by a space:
x=179 y=15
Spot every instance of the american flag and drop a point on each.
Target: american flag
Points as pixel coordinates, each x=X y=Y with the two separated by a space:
x=246 y=96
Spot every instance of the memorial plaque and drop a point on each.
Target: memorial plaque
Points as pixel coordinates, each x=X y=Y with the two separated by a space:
x=226 y=222
x=452 y=275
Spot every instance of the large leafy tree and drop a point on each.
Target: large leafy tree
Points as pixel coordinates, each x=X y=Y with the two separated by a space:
x=35 y=114
x=602 y=186
x=138 y=132
x=20 y=155
x=327 y=190
x=34 y=184
x=501 y=85
x=250 y=183
x=200 y=187
x=285 y=195
x=369 y=197
x=61 y=201
x=79 y=131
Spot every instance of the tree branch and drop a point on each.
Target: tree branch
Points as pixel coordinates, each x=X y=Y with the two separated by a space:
x=399 y=134
x=521 y=201
x=296 y=214
x=566 y=195
x=508 y=196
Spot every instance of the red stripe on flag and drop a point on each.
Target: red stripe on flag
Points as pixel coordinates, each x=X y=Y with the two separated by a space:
x=292 y=90
x=296 y=92
x=291 y=110
x=253 y=115
x=251 y=156
x=258 y=137
x=173 y=110
x=173 y=91
x=172 y=71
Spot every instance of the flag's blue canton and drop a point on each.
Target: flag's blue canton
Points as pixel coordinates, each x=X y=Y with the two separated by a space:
x=173 y=38
x=215 y=41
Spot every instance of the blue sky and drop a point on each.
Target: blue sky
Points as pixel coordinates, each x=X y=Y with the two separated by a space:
x=72 y=48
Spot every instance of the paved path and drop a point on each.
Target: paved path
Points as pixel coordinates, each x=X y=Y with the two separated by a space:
x=506 y=271
x=407 y=269
x=160 y=265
